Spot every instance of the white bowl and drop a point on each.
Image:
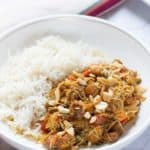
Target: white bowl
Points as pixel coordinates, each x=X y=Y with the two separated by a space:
x=97 y=32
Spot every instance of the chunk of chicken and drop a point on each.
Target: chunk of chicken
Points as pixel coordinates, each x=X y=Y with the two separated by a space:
x=95 y=135
x=52 y=122
x=91 y=89
x=62 y=141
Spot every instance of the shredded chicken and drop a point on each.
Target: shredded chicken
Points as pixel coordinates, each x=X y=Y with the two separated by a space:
x=91 y=107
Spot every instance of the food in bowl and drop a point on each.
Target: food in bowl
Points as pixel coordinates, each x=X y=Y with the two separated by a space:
x=91 y=107
x=65 y=95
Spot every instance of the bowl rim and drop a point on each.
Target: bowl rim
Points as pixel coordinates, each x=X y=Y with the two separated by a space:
x=24 y=24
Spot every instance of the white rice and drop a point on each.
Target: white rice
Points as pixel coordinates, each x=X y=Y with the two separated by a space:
x=23 y=80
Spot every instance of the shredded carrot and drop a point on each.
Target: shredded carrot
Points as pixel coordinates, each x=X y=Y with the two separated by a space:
x=122 y=117
x=43 y=126
x=71 y=77
x=86 y=72
x=123 y=122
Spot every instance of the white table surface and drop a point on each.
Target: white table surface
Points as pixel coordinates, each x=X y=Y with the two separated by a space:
x=133 y=16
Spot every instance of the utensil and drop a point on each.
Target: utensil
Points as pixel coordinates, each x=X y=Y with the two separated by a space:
x=101 y=7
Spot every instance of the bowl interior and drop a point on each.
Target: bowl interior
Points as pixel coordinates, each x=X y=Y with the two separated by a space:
x=99 y=34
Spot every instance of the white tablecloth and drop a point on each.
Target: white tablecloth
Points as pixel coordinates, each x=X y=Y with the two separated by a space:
x=133 y=16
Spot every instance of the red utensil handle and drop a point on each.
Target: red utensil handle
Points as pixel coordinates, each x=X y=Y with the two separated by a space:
x=102 y=7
